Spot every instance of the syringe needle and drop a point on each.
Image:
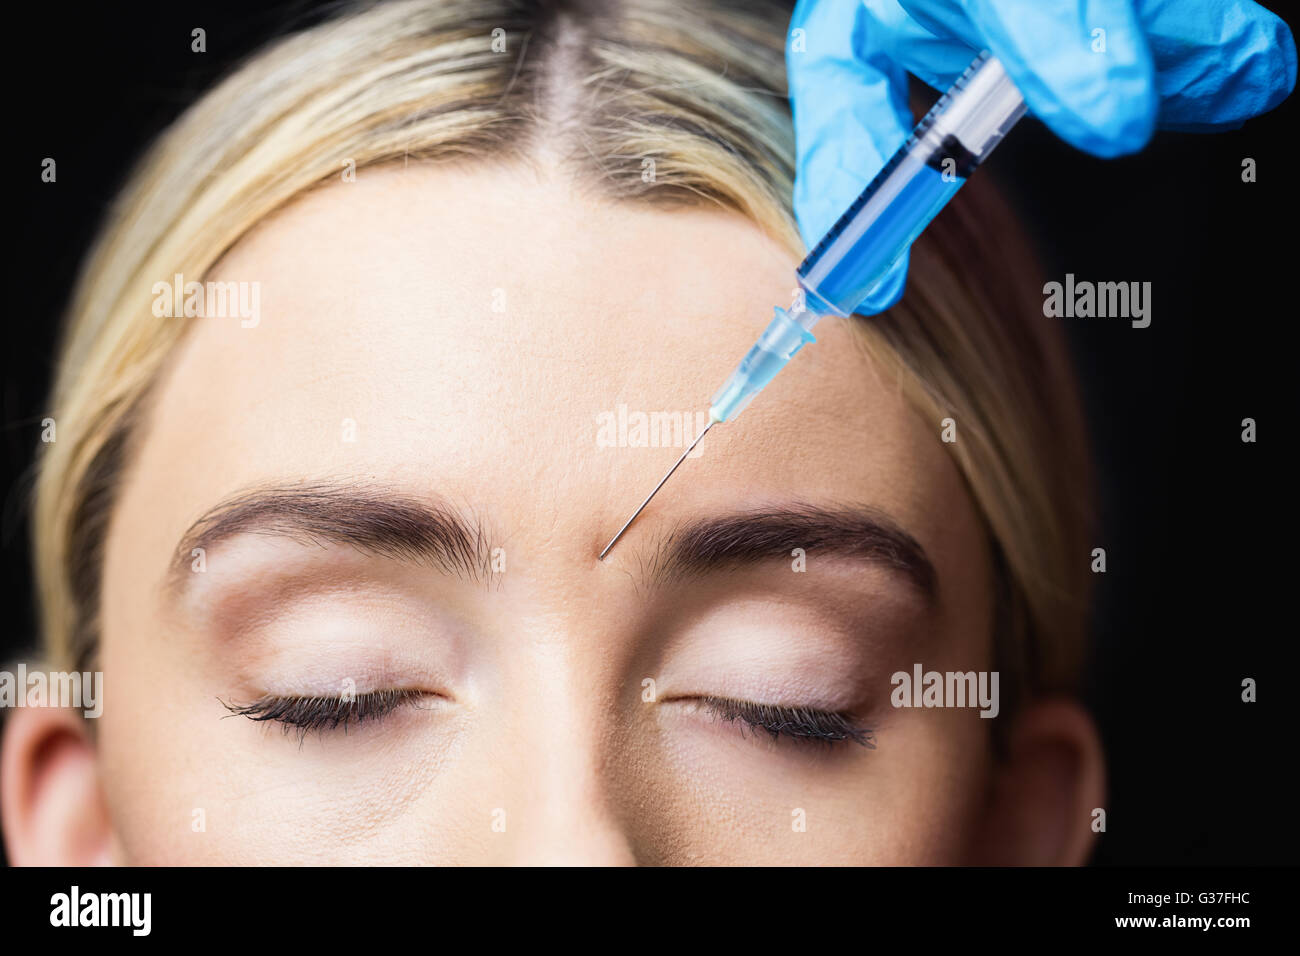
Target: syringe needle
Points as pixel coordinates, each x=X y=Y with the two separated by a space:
x=614 y=540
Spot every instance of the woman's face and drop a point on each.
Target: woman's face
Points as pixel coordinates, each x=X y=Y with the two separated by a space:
x=461 y=368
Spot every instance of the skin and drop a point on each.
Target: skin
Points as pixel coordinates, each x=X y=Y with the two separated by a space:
x=377 y=306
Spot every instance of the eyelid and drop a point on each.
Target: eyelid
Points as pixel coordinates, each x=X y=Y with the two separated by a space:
x=803 y=724
x=321 y=714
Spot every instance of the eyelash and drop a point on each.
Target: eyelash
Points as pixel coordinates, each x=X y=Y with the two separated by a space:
x=805 y=725
x=320 y=714
x=306 y=715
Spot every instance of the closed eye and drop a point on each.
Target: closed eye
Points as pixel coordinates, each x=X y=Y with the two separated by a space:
x=325 y=714
x=329 y=714
x=804 y=724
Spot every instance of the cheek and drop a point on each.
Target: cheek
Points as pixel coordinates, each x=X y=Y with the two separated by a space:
x=188 y=785
x=171 y=776
x=143 y=771
x=158 y=756
x=931 y=798
x=719 y=797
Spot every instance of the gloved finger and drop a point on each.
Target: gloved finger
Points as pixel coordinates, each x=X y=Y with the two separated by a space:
x=938 y=59
x=850 y=116
x=1083 y=66
x=1218 y=62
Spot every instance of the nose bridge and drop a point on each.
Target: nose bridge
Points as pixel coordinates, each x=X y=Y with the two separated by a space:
x=565 y=813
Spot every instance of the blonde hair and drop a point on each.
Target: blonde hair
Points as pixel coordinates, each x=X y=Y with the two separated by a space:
x=700 y=89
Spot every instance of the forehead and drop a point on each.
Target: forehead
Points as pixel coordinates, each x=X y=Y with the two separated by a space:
x=495 y=339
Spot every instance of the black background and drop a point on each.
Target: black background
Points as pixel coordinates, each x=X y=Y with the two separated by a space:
x=1199 y=527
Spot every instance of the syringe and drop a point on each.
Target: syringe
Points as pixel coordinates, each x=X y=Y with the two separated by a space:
x=958 y=133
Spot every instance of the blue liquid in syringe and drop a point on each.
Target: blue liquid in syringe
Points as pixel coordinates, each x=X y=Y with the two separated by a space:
x=877 y=229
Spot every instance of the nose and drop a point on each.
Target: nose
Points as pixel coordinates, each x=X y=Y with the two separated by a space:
x=564 y=813
x=562 y=781
x=572 y=833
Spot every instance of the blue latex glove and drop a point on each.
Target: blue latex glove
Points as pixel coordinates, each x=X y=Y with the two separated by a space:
x=1197 y=65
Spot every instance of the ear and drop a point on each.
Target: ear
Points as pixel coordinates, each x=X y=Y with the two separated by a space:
x=1044 y=790
x=51 y=804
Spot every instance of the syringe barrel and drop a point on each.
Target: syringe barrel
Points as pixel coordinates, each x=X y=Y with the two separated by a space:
x=958 y=133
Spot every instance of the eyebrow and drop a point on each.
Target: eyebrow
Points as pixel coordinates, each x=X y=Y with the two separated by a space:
x=372 y=519
x=379 y=521
x=732 y=541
